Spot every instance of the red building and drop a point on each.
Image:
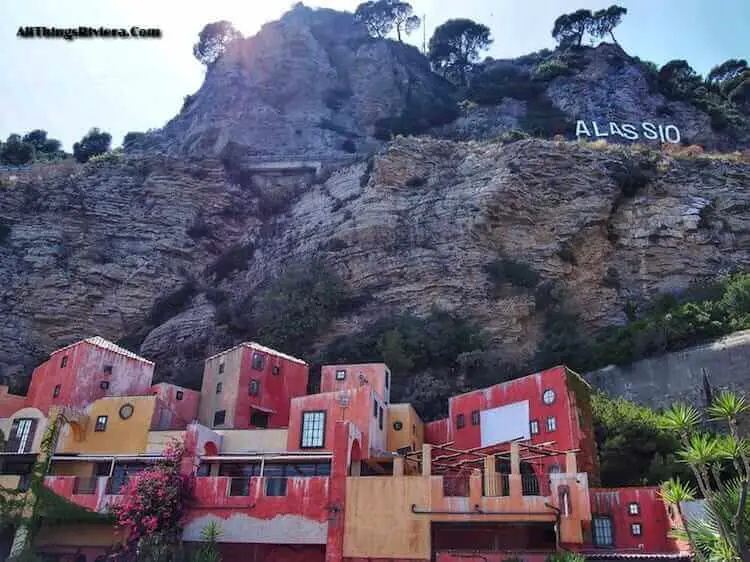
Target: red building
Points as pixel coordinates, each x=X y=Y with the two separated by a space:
x=82 y=372
x=250 y=386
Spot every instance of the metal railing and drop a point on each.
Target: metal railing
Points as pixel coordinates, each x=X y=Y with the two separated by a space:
x=533 y=485
x=85 y=485
x=496 y=485
x=456 y=485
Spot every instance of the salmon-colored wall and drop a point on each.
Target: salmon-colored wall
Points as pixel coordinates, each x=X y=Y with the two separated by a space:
x=185 y=410
x=275 y=394
x=358 y=410
x=411 y=433
x=10 y=403
x=80 y=379
x=436 y=432
x=272 y=552
x=568 y=433
x=376 y=375
x=653 y=517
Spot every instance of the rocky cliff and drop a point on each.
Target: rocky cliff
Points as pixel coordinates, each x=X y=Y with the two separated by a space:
x=166 y=247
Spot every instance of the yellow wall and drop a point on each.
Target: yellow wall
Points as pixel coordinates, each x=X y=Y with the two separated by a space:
x=379 y=521
x=157 y=440
x=78 y=535
x=230 y=379
x=9 y=481
x=257 y=440
x=72 y=468
x=412 y=432
x=128 y=436
x=41 y=426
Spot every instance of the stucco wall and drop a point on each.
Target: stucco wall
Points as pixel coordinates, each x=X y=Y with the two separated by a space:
x=252 y=440
x=679 y=376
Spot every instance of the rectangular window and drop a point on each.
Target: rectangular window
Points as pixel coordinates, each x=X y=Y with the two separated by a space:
x=63 y=361
x=460 y=421
x=179 y=395
x=101 y=423
x=221 y=368
x=380 y=419
x=107 y=369
x=551 y=423
x=220 y=417
x=254 y=388
x=635 y=529
x=341 y=374
x=602 y=531
x=634 y=509
x=387 y=380
x=276 y=486
x=104 y=385
x=258 y=361
x=276 y=370
x=23 y=435
x=259 y=419
x=313 y=429
x=475 y=417
x=56 y=392
x=374 y=408
x=534 y=427
x=239 y=486
x=219 y=386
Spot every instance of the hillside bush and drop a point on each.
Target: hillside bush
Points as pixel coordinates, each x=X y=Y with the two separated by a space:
x=551 y=69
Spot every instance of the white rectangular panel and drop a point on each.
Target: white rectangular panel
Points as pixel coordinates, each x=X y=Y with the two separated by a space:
x=505 y=423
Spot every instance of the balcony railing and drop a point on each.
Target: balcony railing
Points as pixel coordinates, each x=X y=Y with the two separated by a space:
x=456 y=485
x=496 y=485
x=85 y=485
x=533 y=485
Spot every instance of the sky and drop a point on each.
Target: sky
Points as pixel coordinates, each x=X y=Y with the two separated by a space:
x=67 y=87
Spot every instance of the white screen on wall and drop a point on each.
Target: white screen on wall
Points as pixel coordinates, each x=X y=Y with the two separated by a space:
x=505 y=423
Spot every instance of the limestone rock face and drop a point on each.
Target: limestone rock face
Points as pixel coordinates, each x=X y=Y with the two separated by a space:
x=302 y=87
x=139 y=246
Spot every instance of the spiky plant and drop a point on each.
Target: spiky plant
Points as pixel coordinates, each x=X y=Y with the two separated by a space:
x=681 y=418
x=677 y=492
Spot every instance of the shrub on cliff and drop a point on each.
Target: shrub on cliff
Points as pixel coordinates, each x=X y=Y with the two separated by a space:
x=94 y=143
x=213 y=40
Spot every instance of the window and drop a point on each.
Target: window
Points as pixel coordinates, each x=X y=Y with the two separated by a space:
x=554 y=469
x=635 y=529
x=374 y=408
x=258 y=361
x=107 y=369
x=313 y=429
x=276 y=486
x=460 y=421
x=397 y=425
x=22 y=435
x=549 y=396
x=276 y=370
x=387 y=380
x=56 y=392
x=380 y=419
x=63 y=361
x=221 y=368
x=340 y=374
x=101 y=423
x=179 y=395
x=254 y=388
x=259 y=419
x=565 y=507
x=126 y=411
x=534 y=427
x=414 y=429
x=602 y=531
x=219 y=386
x=104 y=385
x=475 y=417
x=551 y=423
x=634 y=509
x=220 y=417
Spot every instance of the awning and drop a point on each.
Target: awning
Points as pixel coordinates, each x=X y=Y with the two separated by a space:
x=262 y=409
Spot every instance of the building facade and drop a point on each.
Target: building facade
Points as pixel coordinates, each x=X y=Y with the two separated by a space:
x=339 y=475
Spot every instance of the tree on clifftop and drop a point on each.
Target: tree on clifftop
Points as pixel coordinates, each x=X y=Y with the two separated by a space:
x=94 y=143
x=212 y=41
x=604 y=22
x=455 y=47
x=382 y=16
x=569 y=29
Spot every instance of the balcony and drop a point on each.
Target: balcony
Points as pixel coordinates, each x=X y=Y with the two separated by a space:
x=83 y=491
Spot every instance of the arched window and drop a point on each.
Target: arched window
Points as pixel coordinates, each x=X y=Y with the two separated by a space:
x=565 y=505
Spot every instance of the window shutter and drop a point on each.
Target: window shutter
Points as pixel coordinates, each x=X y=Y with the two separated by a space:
x=30 y=439
x=13 y=442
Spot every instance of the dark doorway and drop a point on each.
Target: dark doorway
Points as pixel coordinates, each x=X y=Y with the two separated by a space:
x=494 y=537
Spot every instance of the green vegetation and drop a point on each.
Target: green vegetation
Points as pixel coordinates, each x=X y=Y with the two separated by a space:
x=455 y=47
x=34 y=146
x=416 y=118
x=95 y=142
x=551 y=69
x=235 y=258
x=634 y=449
x=212 y=41
x=381 y=17
x=569 y=29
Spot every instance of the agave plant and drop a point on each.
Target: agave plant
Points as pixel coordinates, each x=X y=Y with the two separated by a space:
x=681 y=418
x=727 y=406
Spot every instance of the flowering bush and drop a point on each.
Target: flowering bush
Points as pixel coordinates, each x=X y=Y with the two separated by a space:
x=153 y=501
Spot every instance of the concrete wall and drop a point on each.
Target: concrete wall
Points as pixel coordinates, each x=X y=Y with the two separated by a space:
x=9 y=403
x=253 y=440
x=411 y=433
x=679 y=376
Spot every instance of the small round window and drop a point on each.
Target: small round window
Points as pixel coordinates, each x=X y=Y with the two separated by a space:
x=397 y=425
x=126 y=411
x=548 y=396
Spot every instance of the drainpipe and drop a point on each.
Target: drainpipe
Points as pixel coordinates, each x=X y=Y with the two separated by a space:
x=477 y=511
